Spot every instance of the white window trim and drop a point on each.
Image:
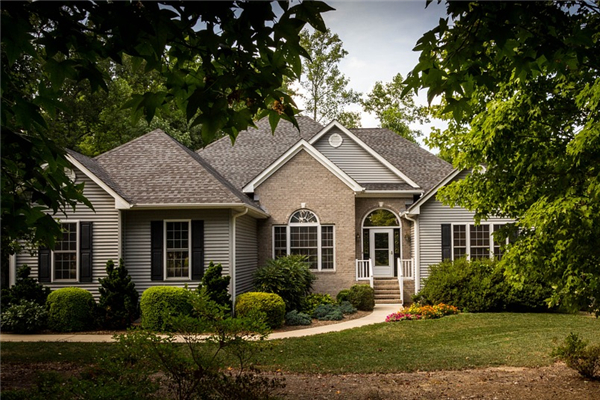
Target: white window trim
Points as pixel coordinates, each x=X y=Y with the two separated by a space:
x=77 y=241
x=177 y=278
x=319 y=240
x=468 y=237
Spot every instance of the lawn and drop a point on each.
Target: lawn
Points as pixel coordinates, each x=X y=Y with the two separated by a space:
x=453 y=342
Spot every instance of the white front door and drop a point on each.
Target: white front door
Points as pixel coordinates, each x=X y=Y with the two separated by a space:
x=382 y=251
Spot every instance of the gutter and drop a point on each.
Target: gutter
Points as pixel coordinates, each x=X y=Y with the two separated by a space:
x=232 y=256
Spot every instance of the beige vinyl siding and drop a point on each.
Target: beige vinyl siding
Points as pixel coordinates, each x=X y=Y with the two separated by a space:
x=246 y=253
x=433 y=215
x=105 y=234
x=355 y=161
x=137 y=242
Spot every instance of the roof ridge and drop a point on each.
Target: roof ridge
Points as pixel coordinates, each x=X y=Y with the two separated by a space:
x=137 y=139
x=196 y=157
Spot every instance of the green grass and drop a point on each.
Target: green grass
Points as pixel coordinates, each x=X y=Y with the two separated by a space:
x=453 y=342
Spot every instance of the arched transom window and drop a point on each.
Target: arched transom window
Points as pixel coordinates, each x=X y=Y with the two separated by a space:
x=306 y=236
x=381 y=217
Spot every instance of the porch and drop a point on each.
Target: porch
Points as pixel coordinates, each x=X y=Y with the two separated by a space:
x=389 y=289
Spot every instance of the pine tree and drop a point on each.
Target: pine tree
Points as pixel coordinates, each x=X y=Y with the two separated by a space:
x=118 y=305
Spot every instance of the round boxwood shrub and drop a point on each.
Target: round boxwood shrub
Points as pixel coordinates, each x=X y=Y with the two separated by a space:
x=271 y=304
x=362 y=297
x=159 y=304
x=342 y=296
x=314 y=300
x=25 y=317
x=70 y=309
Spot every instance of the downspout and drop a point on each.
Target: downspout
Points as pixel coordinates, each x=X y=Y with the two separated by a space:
x=417 y=265
x=12 y=270
x=233 y=257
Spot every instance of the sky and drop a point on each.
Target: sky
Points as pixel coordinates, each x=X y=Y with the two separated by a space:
x=379 y=37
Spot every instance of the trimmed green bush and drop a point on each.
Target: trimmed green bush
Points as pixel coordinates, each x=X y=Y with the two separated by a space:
x=25 y=317
x=342 y=296
x=294 y=318
x=314 y=300
x=347 y=308
x=270 y=304
x=71 y=309
x=328 y=312
x=118 y=304
x=289 y=277
x=217 y=285
x=25 y=288
x=479 y=286
x=160 y=304
x=362 y=297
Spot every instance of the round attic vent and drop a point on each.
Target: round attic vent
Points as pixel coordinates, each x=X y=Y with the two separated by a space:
x=335 y=140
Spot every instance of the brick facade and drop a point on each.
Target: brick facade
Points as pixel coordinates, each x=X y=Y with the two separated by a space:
x=304 y=180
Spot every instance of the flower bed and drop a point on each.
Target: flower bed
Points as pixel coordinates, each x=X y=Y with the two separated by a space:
x=416 y=311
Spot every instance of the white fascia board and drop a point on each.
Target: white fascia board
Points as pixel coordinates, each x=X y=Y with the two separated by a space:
x=364 y=146
x=255 y=211
x=415 y=209
x=120 y=202
x=390 y=193
x=288 y=155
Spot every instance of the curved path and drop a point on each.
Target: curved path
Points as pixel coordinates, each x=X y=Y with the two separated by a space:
x=378 y=315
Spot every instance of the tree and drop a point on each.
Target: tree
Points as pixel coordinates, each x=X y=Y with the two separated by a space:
x=326 y=86
x=223 y=64
x=395 y=111
x=521 y=81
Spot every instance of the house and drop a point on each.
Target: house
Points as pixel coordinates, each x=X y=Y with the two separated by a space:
x=359 y=203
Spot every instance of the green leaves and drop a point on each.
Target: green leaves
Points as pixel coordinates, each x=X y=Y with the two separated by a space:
x=221 y=64
x=518 y=84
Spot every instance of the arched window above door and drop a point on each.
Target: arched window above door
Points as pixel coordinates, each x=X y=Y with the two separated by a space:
x=381 y=217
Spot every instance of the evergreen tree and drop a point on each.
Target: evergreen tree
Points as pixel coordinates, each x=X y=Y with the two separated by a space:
x=118 y=305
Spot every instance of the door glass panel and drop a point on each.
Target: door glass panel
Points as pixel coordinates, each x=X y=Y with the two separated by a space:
x=382 y=244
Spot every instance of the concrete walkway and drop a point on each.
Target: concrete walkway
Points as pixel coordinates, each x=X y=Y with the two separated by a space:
x=378 y=315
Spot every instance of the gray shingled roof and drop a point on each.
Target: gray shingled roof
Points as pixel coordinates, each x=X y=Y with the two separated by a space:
x=424 y=168
x=96 y=169
x=256 y=149
x=156 y=169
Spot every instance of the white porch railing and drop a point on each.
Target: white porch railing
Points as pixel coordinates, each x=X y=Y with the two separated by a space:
x=364 y=271
x=405 y=271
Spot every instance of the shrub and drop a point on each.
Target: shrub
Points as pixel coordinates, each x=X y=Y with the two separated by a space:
x=71 y=309
x=118 y=304
x=294 y=318
x=579 y=356
x=479 y=286
x=342 y=295
x=25 y=288
x=431 y=312
x=315 y=299
x=271 y=304
x=347 y=308
x=289 y=277
x=160 y=304
x=25 y=317
x=362 y=297
x=328 y=312
x=217 y=285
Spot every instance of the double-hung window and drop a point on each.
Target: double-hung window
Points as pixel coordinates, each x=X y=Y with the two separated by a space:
x=177 y=249
x=64 y=256
x=476 y=241
x=304 y=235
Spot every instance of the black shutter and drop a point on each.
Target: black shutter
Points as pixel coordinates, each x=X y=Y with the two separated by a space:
x=197 y=250
x=85 y=251
x=44 y=264
x=156 y=249
x=446 y=242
